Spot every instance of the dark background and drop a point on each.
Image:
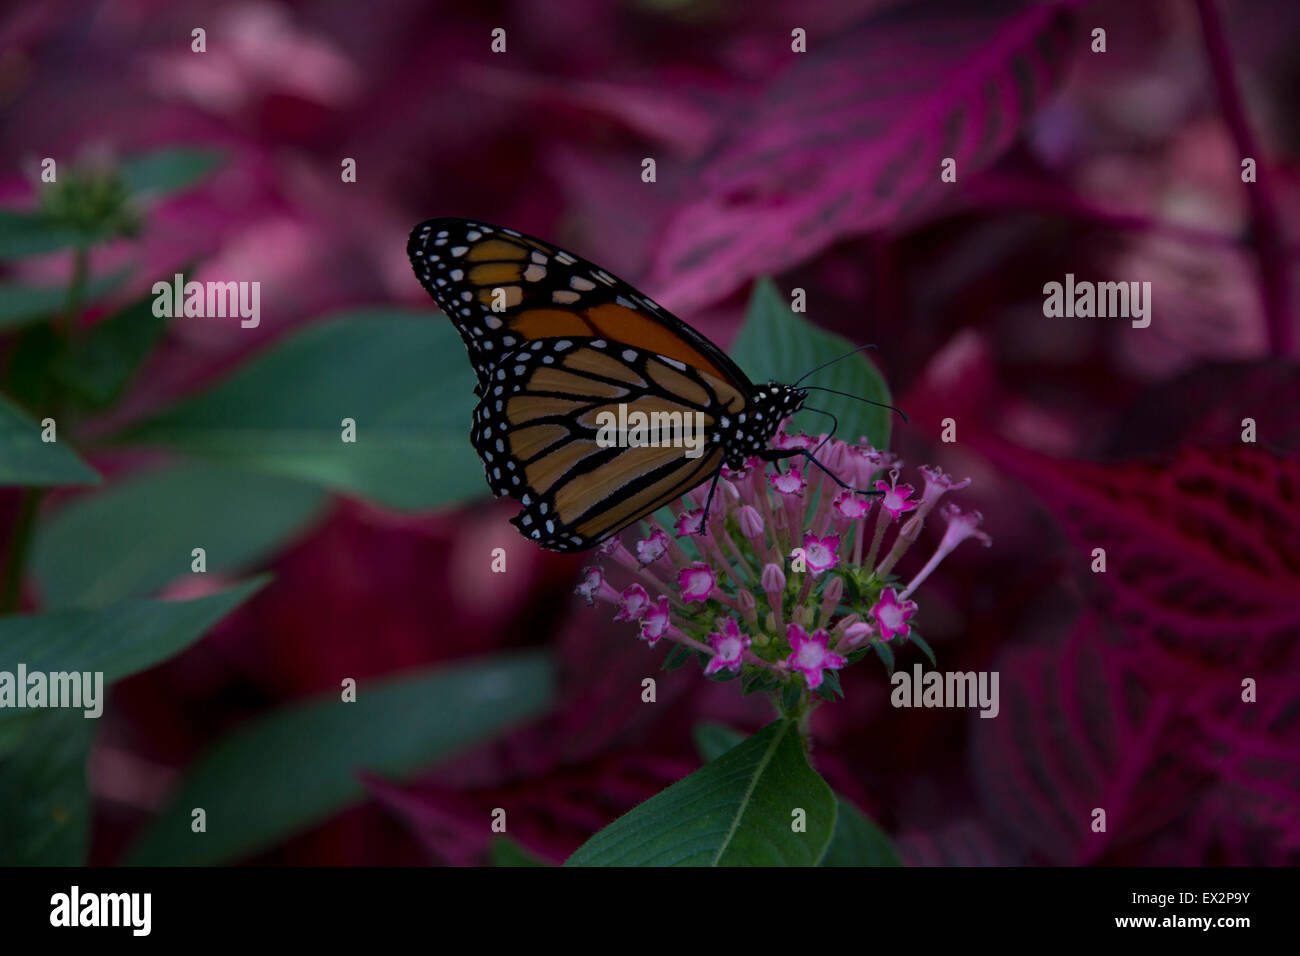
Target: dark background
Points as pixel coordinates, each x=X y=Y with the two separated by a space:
x=1119 y=691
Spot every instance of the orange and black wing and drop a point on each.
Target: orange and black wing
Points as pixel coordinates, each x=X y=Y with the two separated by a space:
x=503 y=289
x=536 y=430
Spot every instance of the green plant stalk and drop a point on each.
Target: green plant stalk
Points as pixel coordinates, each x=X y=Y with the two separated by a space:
x=800 y=714
x=76 y=290
x=16 y=559
x=20 y=541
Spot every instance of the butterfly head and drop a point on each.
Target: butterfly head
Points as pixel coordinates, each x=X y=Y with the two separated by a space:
x=750 y=432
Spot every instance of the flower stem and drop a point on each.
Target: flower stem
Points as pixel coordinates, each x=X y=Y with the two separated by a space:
x=76 y=289
x=15 y=562
x=19 y=542
x=1270 y=247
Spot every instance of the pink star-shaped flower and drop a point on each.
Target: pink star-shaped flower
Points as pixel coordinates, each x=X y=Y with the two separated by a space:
x=728 y=648
x=696 y=582
x=655 y=622
x=938 y=483
x=810 y=656
x=789 y=482
x=783 y=439
x=632 y=603
x=850 y=507
x=892 y=615
x=895 y=496
x=593 y=585
x=651 y=549
x=688 y=522
x=821 y=554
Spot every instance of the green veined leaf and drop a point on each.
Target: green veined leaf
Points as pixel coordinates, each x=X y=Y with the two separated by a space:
x=27 y=460
x=167 y=171
x=138 y=534
x=294 y=768
x=44 y=803
x=401 y=377
x=21 y=303
x=857 y=840
x=98 y=366
x=712 y=740
x=507 y=852
x=775 y=343
x=119 y=639
x=886 y=655
x=924 y=645
x=735 y=811
x=30 y=234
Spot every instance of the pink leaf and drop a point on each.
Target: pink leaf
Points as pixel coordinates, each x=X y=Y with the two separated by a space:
x=1202 y=553
x=850 y=139
x=1187 y=772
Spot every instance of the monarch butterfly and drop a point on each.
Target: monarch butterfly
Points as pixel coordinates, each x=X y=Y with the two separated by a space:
x=556 y=342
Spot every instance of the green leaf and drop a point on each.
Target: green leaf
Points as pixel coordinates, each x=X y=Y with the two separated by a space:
x=44 y=803
x=886 y=655
x=21 y=304
x=712 y=740
x=507 y=852
x=402 y=377
x=14 y=730
x=734 y=811
x=99 y=366
x=790 y=696
x=858 y=841
x=167 y=170
x=830 y=688
x=777 y=344
x=120 y=640
x=29 y=379
x=284 y=773
x=677 y=655
x=137 y=535
x=30 y=234
x=26 y=460
x=924 y=645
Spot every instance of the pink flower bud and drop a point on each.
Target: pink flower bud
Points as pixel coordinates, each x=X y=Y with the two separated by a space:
x=751 y=522
x=773 y=579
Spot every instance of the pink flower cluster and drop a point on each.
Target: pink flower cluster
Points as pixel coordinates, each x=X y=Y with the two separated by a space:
x=762 y=590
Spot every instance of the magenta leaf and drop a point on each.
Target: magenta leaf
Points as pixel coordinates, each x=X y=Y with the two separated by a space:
x=1078 y=734
x=963 y=843
x=1187 y=773
x=1202 y=554
x=1171 y=707
x=850 y=138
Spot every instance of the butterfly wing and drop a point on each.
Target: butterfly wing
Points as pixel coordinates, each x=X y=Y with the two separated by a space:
x=503 y=289
x=536 y=430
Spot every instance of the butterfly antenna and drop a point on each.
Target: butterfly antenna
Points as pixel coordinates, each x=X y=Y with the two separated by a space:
x=822 y=388
x=835 y=425
x=860 y=348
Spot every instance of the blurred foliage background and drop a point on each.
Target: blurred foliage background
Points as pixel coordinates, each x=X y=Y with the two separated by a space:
x=329 y=561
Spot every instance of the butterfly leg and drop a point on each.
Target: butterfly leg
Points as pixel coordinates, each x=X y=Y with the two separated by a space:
x=777 y=454
x=704 y=520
